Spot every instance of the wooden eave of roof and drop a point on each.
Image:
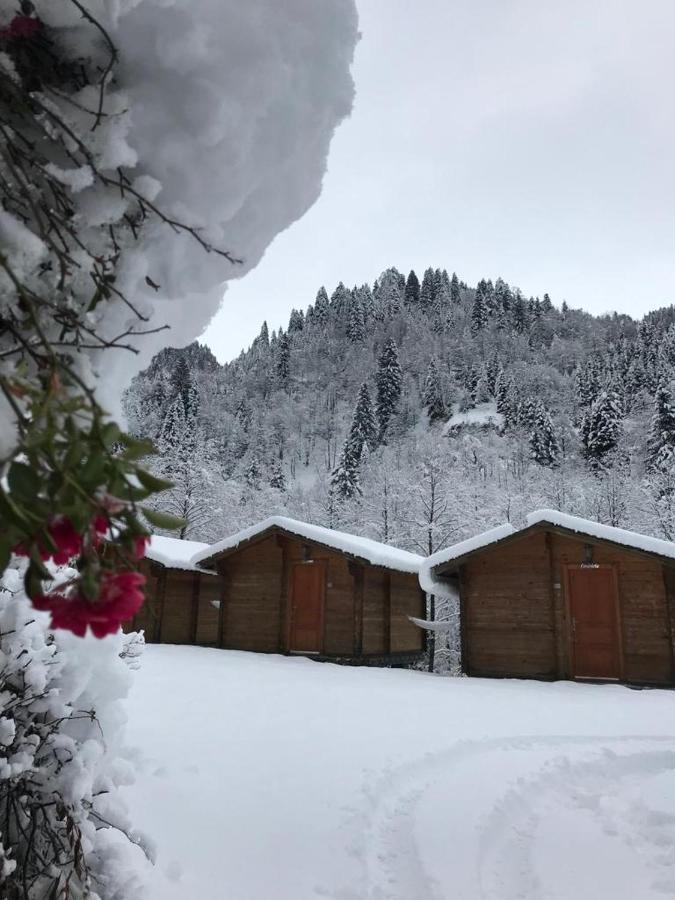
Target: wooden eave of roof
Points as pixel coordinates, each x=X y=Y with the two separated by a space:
x=197 y=570
x=453 y=565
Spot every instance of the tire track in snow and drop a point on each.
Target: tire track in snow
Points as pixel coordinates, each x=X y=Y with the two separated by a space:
x=392 y=847
x=506 y=869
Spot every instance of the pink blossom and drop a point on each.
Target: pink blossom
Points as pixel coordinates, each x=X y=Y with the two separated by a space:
x=120 y=598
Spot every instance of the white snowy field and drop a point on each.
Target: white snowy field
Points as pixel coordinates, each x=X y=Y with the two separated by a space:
x=269 y=778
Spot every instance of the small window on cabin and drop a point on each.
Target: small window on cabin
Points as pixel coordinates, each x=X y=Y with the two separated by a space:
x=215 y=604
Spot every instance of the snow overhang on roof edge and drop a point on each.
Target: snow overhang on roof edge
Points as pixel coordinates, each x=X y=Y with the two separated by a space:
x=373 y=552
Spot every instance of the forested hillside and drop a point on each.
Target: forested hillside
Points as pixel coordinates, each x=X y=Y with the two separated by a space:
x=418 y=412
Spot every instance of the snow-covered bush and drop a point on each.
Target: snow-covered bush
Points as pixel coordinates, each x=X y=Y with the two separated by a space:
x=63 y=830
x=149 y=150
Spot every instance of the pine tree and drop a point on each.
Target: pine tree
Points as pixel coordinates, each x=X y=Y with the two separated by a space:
x=428 y=289
x=412 y=289
x=388 y=294
x=492 y=371
x=519 y=314
x=455 y=295
x=321 y=307
x=388 y=380
x=252 y=473
x=277 y=478
x=363 y=431
x=527 y=413
x=339 y=303
x=296 y=321
x=345 y=479
x=356 y=325
x=243 y=413
x=544 y=447
x=283 y=367
x=264 y=336
x=601 y=428
x=479 y=312
x=507 y=400
x=661 y=443
x=432 y=398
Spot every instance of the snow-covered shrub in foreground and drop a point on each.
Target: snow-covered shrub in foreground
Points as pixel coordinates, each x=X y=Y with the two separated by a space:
x=63 y=828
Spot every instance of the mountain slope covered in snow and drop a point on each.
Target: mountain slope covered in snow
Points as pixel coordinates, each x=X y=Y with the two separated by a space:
x=419 y=412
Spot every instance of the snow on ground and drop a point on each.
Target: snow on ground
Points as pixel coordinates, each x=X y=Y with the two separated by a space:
x=272 y=777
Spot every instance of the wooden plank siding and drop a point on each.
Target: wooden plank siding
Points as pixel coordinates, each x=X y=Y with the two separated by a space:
x=643 y=610
x=508 y=628
x=207 y=632
x=247 y=604
x=253 y=605
x=514 y=608
x=406 y=599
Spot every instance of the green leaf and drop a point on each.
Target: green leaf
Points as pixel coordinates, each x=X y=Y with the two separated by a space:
x=135 y=449
x=5 y=554
x=23 y=482
x=32 y=581
x=37 y=564
x=162 y=519
x=151 y=482
x=110 y=433
x=12 y=514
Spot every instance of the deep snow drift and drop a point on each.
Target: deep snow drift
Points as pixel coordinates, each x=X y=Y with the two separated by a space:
x=222 y=113
x=274 y=777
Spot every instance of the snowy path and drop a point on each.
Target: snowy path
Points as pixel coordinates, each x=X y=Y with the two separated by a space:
x=281 y=778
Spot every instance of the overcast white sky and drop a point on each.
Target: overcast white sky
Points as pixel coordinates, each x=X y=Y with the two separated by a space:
x=528 y=139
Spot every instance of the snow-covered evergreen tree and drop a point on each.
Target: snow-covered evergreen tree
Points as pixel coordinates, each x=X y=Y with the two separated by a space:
x=455 y=295
x=345 y=479
x=283 y=366
x=388 y=380
x=277 y=478
x=601 y=428
x=428 y=289
x=321 y=307
x=432 y=397
x=661 y=444
x=412 y=289
x=363 y=431
x=479 y=311
x=356 y=325
x=544 y=446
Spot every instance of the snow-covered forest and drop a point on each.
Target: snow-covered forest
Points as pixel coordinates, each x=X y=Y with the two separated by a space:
x=419 y=411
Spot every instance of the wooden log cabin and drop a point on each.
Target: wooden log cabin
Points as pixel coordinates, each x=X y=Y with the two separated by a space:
x=562 y=598
x=285 y=586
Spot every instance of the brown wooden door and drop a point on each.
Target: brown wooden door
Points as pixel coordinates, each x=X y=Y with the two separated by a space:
x=594 y=623
x=307 y=595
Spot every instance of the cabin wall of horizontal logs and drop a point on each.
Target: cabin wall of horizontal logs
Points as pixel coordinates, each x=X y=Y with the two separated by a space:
x=515 y=608
x=246 y=603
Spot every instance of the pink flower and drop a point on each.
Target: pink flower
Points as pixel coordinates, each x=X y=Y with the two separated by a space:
x=100 y=524
x=120 y=598
x=140 y=546
x=67 y=540
x=63 y=534
x=21 y=27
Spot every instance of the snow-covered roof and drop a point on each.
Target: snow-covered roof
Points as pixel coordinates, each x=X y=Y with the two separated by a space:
x=483 y=415
x=430 y=582
x=587 y=527
x=374 y=552
x=174 y=553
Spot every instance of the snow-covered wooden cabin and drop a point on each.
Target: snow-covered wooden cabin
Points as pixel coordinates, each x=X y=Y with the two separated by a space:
x=561 y=598
x=284 y=586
